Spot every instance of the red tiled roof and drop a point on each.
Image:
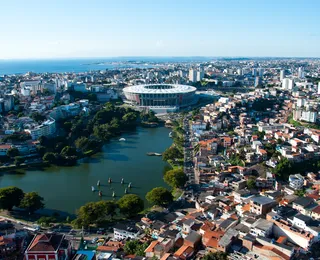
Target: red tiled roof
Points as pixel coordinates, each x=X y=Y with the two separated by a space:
x=316 y=210
x=45 y=243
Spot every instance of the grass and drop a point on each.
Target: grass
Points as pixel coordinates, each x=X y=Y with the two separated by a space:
x=175 y=166
x=177 y=193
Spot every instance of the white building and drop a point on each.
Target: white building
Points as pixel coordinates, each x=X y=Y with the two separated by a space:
x=121 y=232
x=301 y=102
x=33 y=85
x=282 y=75
x=300 y=73
x=47 y=128
x=287 y=84
x=319 y=88
x=26 y=92
x=192 y=75
x=296 y=181
x=200 y=75
x=256 y=81
x=309 y=116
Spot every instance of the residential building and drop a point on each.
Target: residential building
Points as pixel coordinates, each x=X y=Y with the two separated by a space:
x=49 y=247
x=261 y=205
x=124 y=231
x=47 y=128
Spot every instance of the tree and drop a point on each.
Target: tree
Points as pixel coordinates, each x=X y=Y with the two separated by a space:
x=95 y=212
x=300 y=193
x=251 y=183
x=18 y=160
x=130 y=118
x=13 y=152
x=37 y=117
x=41 y=150
x=283 y=169
x=208 y=126
x=10 y=197
x=68 y=151
x=134 y=247
x=175 y=178
x=130 y=205
x=159 y=196
x=81 y=143
x=67 y=126
x=32 y=202
x=49 y=157
x=216 y=256
x=172 y=153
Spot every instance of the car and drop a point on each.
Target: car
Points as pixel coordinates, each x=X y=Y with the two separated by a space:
x=93 y=241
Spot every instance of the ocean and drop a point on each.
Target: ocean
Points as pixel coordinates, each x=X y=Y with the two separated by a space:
x=8 y=67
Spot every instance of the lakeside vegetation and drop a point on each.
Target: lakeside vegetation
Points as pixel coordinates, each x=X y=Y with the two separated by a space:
x=84 y=136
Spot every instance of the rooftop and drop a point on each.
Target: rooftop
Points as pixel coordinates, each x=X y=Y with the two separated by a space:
x=262 y=200
x=159 y=89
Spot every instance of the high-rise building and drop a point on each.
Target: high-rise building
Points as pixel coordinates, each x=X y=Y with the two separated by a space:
x=319 y=88
x=300 y=73
x=192 y=75
x=282 y=74
x=254 y=72
x=200 y=75
x=287 y=84
x=256 y=81
x=239 y=72
x=261 y=71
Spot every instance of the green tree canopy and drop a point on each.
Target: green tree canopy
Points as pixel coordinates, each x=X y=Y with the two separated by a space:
x=68 y=151
x=18 y=160
x=134 y=247
x=10 y=197
x=175 y=178
x=13 y=152
x=172 y=153
x=159 y=196
x=32 y=201
x=251 y=183
x=130 y=205
x=67 y=126
x=95 y=212
x=216 y=256
x=38 y=117
x=283 y=169
x=82 y=143
x=49 y=157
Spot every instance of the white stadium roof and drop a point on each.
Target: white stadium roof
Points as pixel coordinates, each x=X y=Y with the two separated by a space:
x=148 y=89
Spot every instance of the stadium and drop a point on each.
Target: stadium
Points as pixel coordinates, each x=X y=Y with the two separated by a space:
x=160 y=98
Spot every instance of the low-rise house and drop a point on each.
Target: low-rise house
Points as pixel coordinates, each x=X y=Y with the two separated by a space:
x=226 y=240
x=184 y=252
x=315 y=213
x=48 y=246
x=193 y=239
x=304 y=205
x=124 y=231
x=261 y=205
x=261 y=228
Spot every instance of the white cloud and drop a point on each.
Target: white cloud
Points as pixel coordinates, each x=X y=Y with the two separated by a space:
x=159 y=44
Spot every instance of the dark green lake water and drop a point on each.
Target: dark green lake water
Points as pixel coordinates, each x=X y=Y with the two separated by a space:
x=68 y=188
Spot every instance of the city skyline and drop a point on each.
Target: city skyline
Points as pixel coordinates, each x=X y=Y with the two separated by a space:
x=101 y=29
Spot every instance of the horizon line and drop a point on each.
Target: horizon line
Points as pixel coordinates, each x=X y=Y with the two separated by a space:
x=155 y=56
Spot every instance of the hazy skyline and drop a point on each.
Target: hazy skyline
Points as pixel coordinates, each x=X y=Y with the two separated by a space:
x=100 y=28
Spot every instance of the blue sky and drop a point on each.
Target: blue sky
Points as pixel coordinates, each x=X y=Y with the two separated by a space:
x=106 y=28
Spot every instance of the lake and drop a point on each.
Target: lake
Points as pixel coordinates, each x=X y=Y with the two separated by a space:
x=68 y=188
